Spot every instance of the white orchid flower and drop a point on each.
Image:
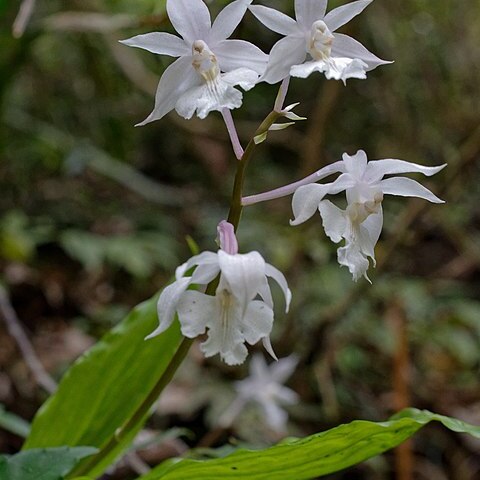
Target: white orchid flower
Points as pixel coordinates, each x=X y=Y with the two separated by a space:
x=264 y=386
x=209 y=67
x=360 y=224
x=242 y=308
x=313 y=35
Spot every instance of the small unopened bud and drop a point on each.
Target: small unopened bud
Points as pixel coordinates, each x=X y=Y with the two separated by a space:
x=227 y=239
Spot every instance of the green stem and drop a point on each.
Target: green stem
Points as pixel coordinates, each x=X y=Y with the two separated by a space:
x=144 y=408
x=236 y=202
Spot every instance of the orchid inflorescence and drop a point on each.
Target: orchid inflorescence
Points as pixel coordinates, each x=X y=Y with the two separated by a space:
x=226 y=295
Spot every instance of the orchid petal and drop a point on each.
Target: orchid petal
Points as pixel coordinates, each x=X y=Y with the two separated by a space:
x=204 y=258
x=244 y=274
x=356 y=165
x=267 y=345
x=204 y=99
x=406 y=187
x=167 y=305
x=286 y=396
x=179 y=77
x=159 y=42
x=233 y=54
x=232 y=355
x=365 y=242
x=344 y=181
x=279 y=277
x=285 y=53
x=377 y=169
x=276 y=417
x=258 y=367
x=305 y=202
x=274 y=20
x=304 y=70
x=265 y=293
x=235 y=356
x=351 y=257
x=181 y=270
x=334 y=221
x=227 y=340
x=309 y=11
x=341 y=15
x=374 y=225
x=282 y=370
x=345 y=46
x=334 y=68
x=228 y=20
x=257 y=322
x=242 y=77
x=195 y=309
x=206 y=273
x=190 y=18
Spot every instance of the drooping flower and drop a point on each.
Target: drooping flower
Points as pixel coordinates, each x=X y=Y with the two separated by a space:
x=241 y=309
x=313 y=35
x=360 y=224
x=209 y=67
x=264 y=386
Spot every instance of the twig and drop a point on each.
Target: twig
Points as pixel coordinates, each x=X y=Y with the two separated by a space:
x=16 y=330
x=395 y=317
x=23 y=17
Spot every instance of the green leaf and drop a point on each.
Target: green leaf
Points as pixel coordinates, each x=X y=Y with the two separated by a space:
x=103 y=389
x=310 y=457
x=13 y=423
x=42 y=464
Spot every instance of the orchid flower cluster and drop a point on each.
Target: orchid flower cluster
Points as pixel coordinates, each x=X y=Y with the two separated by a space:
x=225 y=295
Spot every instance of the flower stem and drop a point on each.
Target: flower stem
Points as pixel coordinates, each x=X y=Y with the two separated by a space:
x=232 y=132
x=282 y=94
x=236 y=203
x=292 y=187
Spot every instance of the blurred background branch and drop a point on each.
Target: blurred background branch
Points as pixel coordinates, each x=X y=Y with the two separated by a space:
x=94 y=214
x=23 y=17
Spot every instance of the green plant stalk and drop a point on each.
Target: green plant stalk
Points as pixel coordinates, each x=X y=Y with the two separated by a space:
x=236 y=203
x=141 y=412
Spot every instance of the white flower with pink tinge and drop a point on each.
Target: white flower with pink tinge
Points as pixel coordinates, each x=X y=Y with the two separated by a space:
x=313 y=35
x=264 y=387
x=241 y=311
x=360 y=224
x=209 y=67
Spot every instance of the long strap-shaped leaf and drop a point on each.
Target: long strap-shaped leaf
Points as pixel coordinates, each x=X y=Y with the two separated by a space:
x=106 y=386
x=310 y=457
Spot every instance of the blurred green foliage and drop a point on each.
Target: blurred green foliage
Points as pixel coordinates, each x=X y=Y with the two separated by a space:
x=101 y=209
